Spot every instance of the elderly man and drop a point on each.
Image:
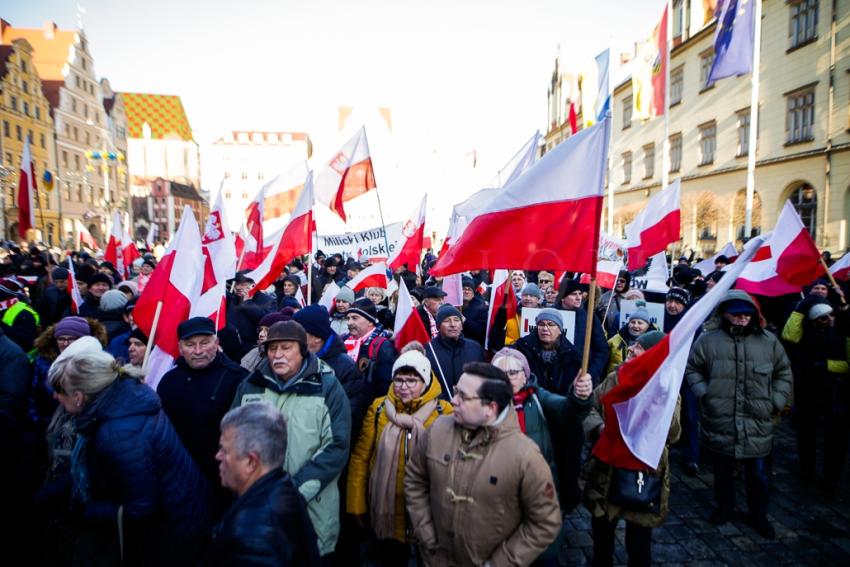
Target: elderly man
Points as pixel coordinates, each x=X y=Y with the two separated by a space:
x=268 y=523
x=478 y=491
x=306 y=392
x=570 y=298
x=608 y=306
x=474 y=310
x=449 y=351
x=56 y=299
x=197 y=392
x=432 y=299
x=368 y=344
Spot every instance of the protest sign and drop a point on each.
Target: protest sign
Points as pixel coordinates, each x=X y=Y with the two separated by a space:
x=369 y=244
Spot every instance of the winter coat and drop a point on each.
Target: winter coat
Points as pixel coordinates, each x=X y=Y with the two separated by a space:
x=339 y=324
x=742 y=383
x=558 y=375
x=135 y=463
x=251 y=360
x=365 y=452
x=267 y=526
x=14 y=379
x=376 y=362
x=113 y=321
x=53 y=305
x=619 y=347
x=815 y=352
x=318 y=419
x=611 y=321
x=482 y=495
x=475 y=319
x=598 y=345
x=451 y=355
x=119 y=347
x=89 y=309
x=244 y=317
x=598 y=473
x=346 y=371
x=20 y=323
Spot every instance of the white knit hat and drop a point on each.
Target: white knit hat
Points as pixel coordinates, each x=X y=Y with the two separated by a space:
x=418 y=362
x=818 y=310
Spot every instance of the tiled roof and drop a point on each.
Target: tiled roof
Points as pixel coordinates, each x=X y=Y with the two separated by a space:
x=51 y=49
x=185 y=191
x=163 y=113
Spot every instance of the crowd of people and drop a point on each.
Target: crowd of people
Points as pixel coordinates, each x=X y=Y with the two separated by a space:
x=295 y=435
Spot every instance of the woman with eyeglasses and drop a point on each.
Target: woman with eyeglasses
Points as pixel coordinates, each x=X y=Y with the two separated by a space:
x=390 y=433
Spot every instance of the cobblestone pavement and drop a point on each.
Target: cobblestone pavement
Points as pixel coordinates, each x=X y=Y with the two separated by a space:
x=812 y=528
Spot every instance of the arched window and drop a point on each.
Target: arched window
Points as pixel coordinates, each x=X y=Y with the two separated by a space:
x=805 y=201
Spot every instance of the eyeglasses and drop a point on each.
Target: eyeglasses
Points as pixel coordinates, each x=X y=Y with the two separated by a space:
x=514 y=372
x=408 y=383
x=545 y=281
x=66 y=340
x=463 y=397
x=546 y=324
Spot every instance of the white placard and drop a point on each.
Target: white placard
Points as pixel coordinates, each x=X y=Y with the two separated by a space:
x=364 y=244
x=655 y=310
x=529 y=314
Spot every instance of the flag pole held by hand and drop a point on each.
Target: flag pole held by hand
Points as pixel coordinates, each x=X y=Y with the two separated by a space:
x=588 y=328
x=153 y=335
x=832 y=281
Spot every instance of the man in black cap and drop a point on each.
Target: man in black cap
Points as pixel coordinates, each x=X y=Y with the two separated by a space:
x=98 y=284
x=368 y=344
x=474 y=311
x=432 y=299
x=244 y=312
x=449 y=351
x=55 y=299
x=197 y=393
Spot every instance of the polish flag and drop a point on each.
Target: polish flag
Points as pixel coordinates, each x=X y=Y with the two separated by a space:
x=26 y=190
x=502 y=293
x=250 y=246
x=299 y=296
x=347 y=175
x=408 y=324
x=74 y=289
x=841 y=269
x=289 y=242
x=707 y=266
x=373 y=276
x=328 y=299
x=520 y=162
x=523 y=227
x=150 y=240
x=638 y=411
x=408 y=249
x=85 y=236
x=606 y=273
x=219 y=251
x=656 y=226
x=787 y=260
x=121 y=250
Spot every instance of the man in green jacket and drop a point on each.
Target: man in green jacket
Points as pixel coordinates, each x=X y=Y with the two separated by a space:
x=305 y=390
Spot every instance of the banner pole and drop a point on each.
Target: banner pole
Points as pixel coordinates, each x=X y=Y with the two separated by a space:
x=151 y=343
x=588 y=328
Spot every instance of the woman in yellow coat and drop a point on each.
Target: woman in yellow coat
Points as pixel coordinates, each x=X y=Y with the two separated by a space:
x=390 y=433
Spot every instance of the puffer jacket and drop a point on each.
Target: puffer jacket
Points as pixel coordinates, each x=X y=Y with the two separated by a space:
x=475 y=319
x=451 y=355
x=346 y=371
x=318 y=418
x=598 y=345
x=742 y=383
x=558 y=375
x=135 y=462
x=365 y=452
x=598 y=473
x=481 y=496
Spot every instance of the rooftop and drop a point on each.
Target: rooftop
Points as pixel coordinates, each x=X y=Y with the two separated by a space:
x=164 y=114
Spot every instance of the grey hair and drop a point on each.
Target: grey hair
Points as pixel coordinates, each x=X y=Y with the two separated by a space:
x=258 y=428
x=89 y=372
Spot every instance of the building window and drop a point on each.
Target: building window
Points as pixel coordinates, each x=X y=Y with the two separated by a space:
x=41 y=140
x=678 y=18
x=799 y=121
x=648 y=161
x=25 y=87
x=19 y=133
x=13 y=102
x=76 y=134
x=38 y=113
x=84 y=62
x=675 y=153
x=88 y=138
x=6 y=128
x=627 y=112
x=26 y=106
x=244 y=175
x=627 y=167
x=73 y=104
x=76 y=162
x=261 y=175
x=743 y=132
x=79 y=194
x=227 y=175
x=86 y=110
x=79 y=84
x=9 y=158
x=227 y=194
x=706 y=60
x=677 y=84
x=64 y=159
x=805 y=201
x=30 y=136
x=707 y=142
x=23 y=66
x=804 y=22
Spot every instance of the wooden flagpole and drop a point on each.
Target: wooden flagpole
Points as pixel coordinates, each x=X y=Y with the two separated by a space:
x=588 y=328
x=153 y=335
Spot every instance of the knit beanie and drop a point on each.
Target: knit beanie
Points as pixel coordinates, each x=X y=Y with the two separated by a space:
x=650 y=339
x=516 y=355
x=641 y=314
x=315 y=320
x=531 y=289
x=569 y=285
x=112 y=300
x=270 y=319
x=100 y=278
x=552 y=315
x=345 y=294
x=365 y=308
x=290 y=301
x=679 y=294
x=818 y=310
x=72 y=327
x=418 y=362
x=446 y=311
x=59 y=274
x=138 y=335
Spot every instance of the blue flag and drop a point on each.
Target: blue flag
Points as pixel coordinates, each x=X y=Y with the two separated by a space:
x=733 y=39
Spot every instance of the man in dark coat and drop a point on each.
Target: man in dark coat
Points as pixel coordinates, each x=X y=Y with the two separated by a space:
x=369 y=345
x=244 y=312
x=570 y=299
x=268 y=523
x=98 y=284
x=449 y=351
x=474 y=312
x=56 y=298
x=198 y=392
x=432 y=299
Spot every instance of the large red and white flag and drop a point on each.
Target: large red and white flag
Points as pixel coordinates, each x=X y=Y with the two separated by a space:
x=120 y=250
x=841 y=269
x=521 y=161
x=328 y=299
x=707 y=266
x=656 y=226
x=219 y=250
x=606 y=273
x=501 y=293
x=250 y=245
x=74 y=289
x=788 y=259
x=638 y=411
x=291 y=241
x=26 y=190
x=525 y=225
x=347 y=175
x=408 y=324
x=85 y=236
x=408 y=250
x=373 y=276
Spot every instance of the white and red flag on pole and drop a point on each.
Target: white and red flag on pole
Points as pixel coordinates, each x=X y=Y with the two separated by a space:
x=250 y=245
x=841 y=269
x=74 y=289
x=26 y=190
x=501 y=293
x=707 y=266
x=328 y=299
x=524 y=226
x=408 y=249
x=150 y=240
x=120 y=250
x=408 y=324
x=656 y=226
x=606 y=273
x=373 y=276
x=85 y=236
x=292 y=240
x=638 y=411
x=788 y=259
x=219 y=250
x=347 y=175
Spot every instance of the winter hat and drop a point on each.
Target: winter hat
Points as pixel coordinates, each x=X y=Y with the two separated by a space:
x=679 y=294
x=129 y=285
x=290 y=301
x=11 y=287
x=737 y=307
x=552 y=315
x=531 y=289
x=446 y=311
x=345 y=294
x=516 y=355
x=818 y=310
x=365 y=308
x=112 y=300
x=85 y=344
x=270 y=319
x=100 y=278
x=72 y=327
x=148 y=262
x=466 y=281
x=315 y=320
x=433 y=292
x=195 y=326
x=641 y=314
x=59 y=274
x=286 y=331
x=568 y=286
x=138 y=335
x=418 y=362
x=650 y=339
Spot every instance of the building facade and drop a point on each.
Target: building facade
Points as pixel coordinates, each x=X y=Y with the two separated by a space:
x=163 y=208
x=115 y=147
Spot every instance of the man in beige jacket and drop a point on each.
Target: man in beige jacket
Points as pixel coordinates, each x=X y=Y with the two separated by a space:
x=478 y=490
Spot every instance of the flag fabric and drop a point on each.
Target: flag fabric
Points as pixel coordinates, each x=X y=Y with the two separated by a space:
x=452 y=286
x=649 y=73
x=150 y=240
x=606 y=273
x=573 y=118
x=409 y=249
x=656 y=276
x=85 y=236
x=595 y=90
x=707 y=266
x=120 y=249
x=734 y=39
x=523 y=226
x=74 y=289
x=328 y=299
x=293 y=240
x=250 y=244
x=219 y=252
x=26 y=190
x=501 y=293
x=408 y=324
x=656 y=226
x=518 y=164
x=841 y=269
x=373 y=276
x=347 y=175
x=638 y=411
x=788 y=259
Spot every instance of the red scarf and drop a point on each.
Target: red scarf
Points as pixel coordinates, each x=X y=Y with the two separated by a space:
x=519 y=405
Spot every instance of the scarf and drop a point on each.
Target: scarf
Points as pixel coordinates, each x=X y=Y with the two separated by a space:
x=382 y=483
x=352 y=347
x=519 y=406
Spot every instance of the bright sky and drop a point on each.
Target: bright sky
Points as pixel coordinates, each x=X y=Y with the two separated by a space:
x=458 y=74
